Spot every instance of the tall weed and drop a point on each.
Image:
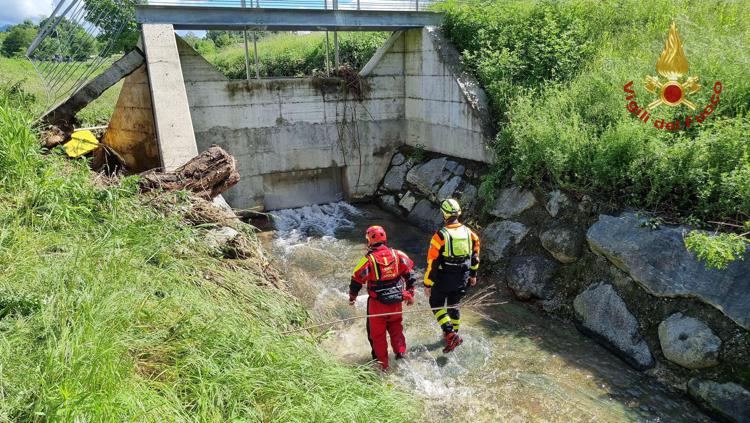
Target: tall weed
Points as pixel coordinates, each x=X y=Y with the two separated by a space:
x=289 y=55
x=555 y=71
x=111 y=310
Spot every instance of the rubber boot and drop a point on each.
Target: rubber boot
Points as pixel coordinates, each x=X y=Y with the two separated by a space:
x=452 y=340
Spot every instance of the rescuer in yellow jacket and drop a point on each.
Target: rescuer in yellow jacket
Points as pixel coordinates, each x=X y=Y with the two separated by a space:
x=452 y=264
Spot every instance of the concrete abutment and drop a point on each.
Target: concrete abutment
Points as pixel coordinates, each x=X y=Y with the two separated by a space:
x=301 y=141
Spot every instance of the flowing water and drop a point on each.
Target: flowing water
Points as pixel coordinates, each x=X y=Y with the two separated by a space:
x=520 y=366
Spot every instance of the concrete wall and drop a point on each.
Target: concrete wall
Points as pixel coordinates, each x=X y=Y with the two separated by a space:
x=131 y=132
x=174 y=129
x=277 y=126
x=311 y=131
x=446 y=111
x=274 y=126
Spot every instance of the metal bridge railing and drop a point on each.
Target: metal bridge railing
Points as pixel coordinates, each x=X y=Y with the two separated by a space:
x=405 y=5
x=75 y=41
x=80 y=35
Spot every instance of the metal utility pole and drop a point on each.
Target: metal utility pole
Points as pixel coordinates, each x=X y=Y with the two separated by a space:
x=247 y=51
x=328 y=65
x=255 y=47
x=257 y=60
x=336 y=39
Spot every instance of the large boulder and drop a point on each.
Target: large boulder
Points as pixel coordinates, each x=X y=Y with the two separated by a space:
x=388 y=203
x=426 y=216
x=604 y=316
x=427 y=177
x=530 y=276
x=660 y=263
x=729 y=401
x=447 y=190
x=468 y=196
x=556 y=201
x=398 y=159
x=455 y=168
x=689 y=342
x=512 y=201
x=394 y=179
x=498 y=237
x=408 y=201
x=564 y=243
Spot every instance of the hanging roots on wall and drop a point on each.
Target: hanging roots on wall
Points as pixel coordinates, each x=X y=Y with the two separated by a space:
x=352 y=89
x=353 y=83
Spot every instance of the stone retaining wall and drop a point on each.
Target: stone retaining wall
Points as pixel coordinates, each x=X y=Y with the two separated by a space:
x=416 y=183
x=631 y=286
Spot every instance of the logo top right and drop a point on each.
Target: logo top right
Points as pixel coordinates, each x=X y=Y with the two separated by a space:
x=672 y=65
x=672 y=87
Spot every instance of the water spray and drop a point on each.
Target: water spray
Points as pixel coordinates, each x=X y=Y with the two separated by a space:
x=474 y=303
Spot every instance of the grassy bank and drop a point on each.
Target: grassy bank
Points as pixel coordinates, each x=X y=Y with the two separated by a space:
x=290 y=55
x=112 y=309
x=555 y=73
x=18 y=71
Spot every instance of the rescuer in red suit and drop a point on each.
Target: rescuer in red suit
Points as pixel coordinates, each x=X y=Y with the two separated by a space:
x=390 y=281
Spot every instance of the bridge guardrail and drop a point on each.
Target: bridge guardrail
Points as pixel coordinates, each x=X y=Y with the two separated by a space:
x=405 y=5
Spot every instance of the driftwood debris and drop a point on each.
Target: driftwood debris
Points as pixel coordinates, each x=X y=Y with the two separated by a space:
x=206 y=175
x=54 y=136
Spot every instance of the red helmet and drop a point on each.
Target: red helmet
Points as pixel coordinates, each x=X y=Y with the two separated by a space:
x=375 y=235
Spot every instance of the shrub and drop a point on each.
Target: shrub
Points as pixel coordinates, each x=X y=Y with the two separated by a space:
x=716 y=250
x=555 y=70
x=19 y=37
x=290 y=55
x=515 y=48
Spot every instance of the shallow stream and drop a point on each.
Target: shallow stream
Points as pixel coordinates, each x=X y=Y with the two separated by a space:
x=520 y=366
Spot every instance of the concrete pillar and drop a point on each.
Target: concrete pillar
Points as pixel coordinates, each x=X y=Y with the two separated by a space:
x=174 y=126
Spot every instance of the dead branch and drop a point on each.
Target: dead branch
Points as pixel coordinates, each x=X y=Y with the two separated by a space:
x=206 y=175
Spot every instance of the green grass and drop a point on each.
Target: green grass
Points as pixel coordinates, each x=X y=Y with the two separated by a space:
x=112 y=309
x=15 y=69
x=555 y=73
x=291 y=55
x=19 y=70
x=99 y=111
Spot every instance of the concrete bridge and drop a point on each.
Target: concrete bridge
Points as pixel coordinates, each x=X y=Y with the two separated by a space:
x=298 y=141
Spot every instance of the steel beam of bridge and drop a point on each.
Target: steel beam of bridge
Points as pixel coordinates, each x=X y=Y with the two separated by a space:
x=228 y=18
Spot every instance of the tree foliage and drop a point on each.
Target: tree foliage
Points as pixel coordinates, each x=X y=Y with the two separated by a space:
x=67 y=40
x=111 y=16
x=19 y=38
x=204 y=46
x=223 y=39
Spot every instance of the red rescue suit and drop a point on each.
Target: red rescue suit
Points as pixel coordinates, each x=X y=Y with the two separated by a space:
x=387 y=273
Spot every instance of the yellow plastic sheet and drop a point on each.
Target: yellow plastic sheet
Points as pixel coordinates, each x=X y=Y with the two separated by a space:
x=82 y=142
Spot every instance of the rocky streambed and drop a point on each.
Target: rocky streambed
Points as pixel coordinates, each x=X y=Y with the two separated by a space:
x=515 y=365
x=619 y=277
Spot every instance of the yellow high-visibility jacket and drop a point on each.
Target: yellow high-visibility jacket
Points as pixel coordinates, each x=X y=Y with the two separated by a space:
x=444 y=251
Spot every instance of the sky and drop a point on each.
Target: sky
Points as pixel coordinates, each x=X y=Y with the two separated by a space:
x=15 y=11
